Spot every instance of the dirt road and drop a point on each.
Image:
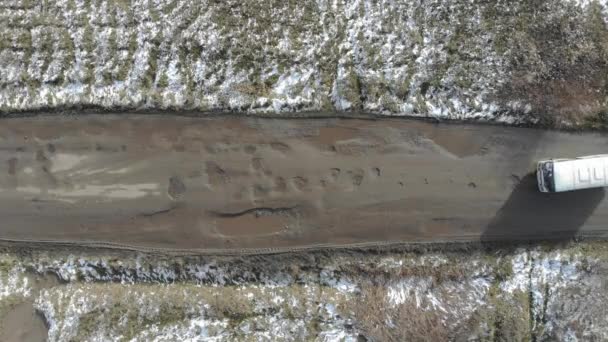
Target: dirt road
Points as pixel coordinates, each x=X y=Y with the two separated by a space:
x=213 y=183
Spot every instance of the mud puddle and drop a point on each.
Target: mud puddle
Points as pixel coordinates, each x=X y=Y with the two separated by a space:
x=23 y=324
x=461 y=141
x=252 y=224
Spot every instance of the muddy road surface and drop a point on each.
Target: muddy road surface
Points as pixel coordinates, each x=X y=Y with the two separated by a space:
x=234 y=183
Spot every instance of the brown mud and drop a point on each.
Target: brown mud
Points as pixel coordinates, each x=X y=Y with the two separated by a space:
x=253 y=183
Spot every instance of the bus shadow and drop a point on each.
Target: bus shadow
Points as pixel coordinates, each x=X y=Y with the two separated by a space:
x=530 y=215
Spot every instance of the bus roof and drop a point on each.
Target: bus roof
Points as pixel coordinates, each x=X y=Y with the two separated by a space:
x=580 y=173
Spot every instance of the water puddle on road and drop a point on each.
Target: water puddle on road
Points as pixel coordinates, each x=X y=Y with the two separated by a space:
x=333 y=134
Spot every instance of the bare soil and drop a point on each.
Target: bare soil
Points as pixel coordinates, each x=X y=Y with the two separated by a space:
x=23 y=324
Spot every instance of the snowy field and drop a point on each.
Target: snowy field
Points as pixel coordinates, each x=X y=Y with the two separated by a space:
x=518 y=61
x=546 y=293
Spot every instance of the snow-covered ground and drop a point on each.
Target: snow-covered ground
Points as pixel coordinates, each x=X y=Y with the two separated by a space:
x=515 y=61
x=546 y=292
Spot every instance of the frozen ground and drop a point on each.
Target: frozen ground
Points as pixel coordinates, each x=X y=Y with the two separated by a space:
x=509 y=61
x=541 y=293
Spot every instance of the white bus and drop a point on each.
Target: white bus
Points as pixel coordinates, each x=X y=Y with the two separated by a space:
x=558 y=175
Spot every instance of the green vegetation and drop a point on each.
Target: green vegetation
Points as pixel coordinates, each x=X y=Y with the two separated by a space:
x=591 y=250
x=163 y=81
x=125 y=66
x=24 y=41
x=154 y=14
x=88 y=44
x=168 y=9
x=7 y=263
x=150 y=75
x=71 y=5
x=46 y=48
x=124 y=5
x=112 y=50
x=504 y=269
x=598 y=121
x=67 y=45
x=353 y=89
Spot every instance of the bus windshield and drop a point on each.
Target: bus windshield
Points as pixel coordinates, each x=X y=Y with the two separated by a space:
x=548 y=176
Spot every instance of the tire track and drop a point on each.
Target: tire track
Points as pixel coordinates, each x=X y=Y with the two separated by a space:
x=461 y=240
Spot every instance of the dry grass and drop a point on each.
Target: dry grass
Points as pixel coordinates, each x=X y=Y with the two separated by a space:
x=381 y=321
x=560 y=73
x=253 y=89
x=452 y=270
